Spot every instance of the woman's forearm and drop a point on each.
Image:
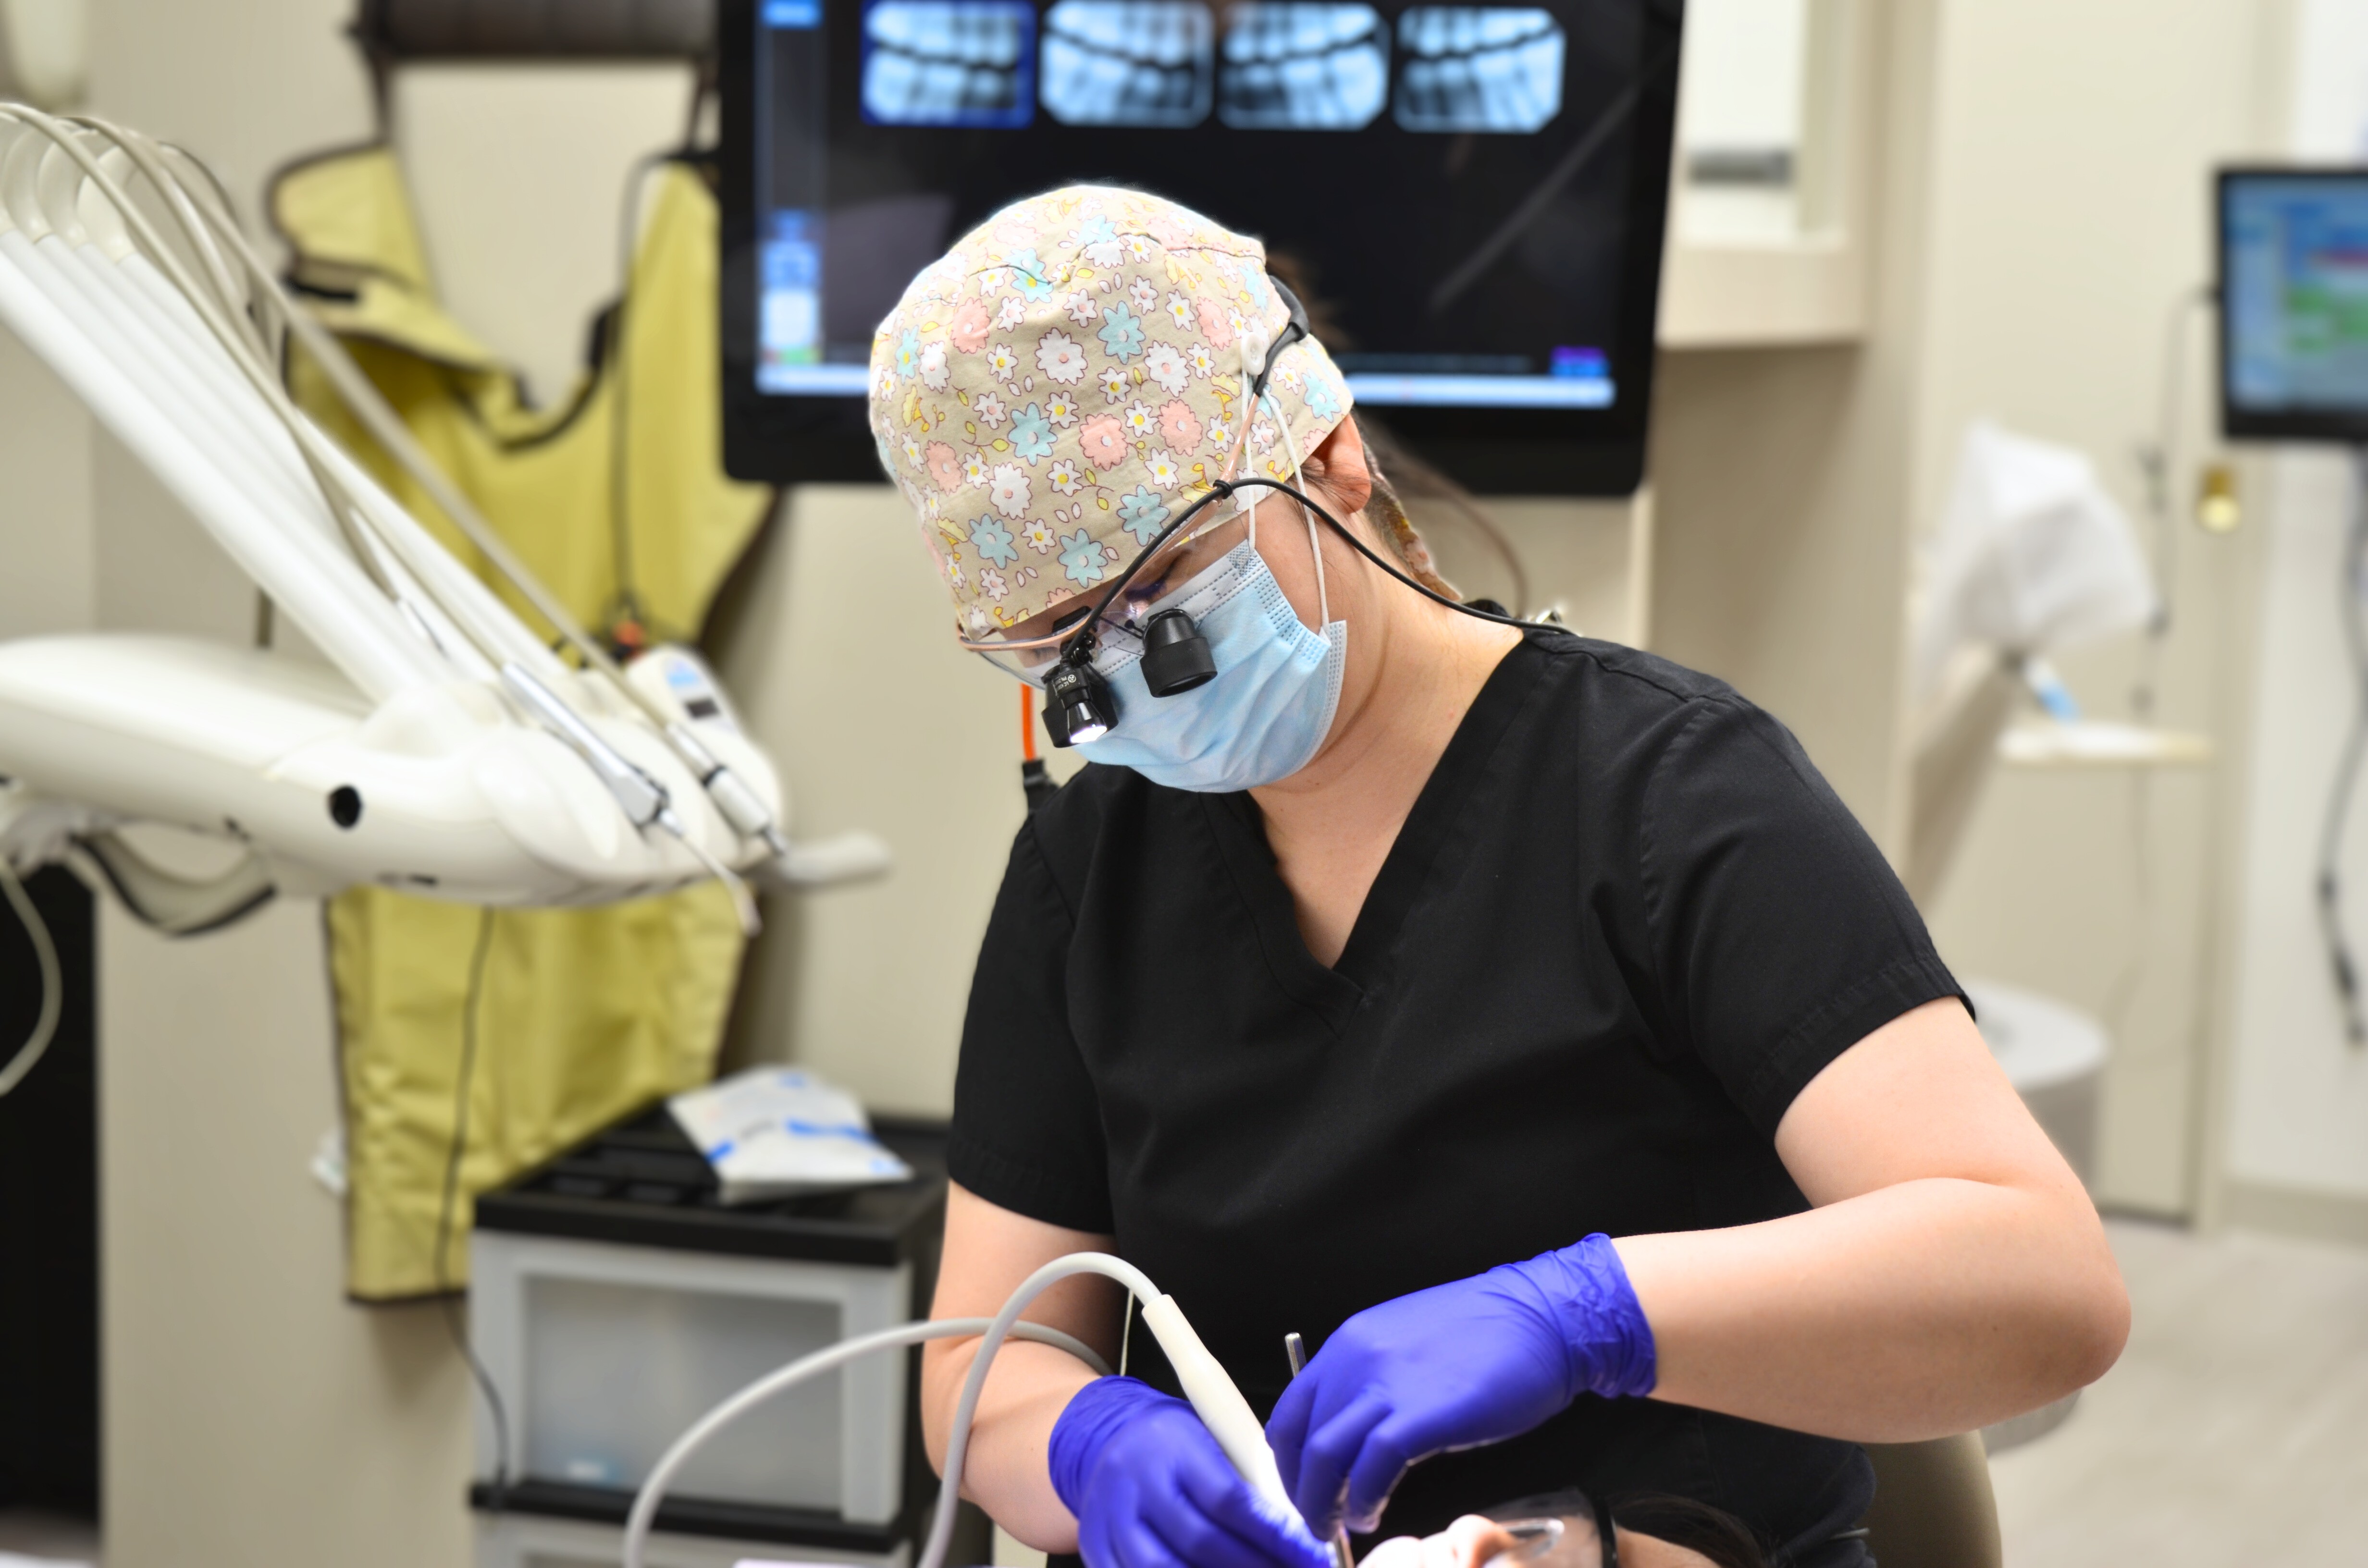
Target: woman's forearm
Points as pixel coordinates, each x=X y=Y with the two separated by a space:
x=1005 y=1471
x=989 y=1250
x=1931 y=1307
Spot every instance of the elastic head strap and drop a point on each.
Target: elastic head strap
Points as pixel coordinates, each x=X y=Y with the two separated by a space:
x=1293 y=330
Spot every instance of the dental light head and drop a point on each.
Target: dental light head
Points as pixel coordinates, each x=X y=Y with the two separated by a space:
x=448 y=750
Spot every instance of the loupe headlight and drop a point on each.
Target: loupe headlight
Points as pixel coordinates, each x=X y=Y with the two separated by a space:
x=1078 y=704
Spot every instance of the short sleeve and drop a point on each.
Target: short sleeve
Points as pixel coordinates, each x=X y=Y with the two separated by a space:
x=1781 y=936
x=1026 y=1130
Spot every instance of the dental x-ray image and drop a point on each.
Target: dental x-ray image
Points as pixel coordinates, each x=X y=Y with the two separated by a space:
x=1479 y=68
x=1136 y=62
x=956 y=62
x=1304 y=65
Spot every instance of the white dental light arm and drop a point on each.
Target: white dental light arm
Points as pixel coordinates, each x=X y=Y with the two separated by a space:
x=59 y=172
x=370 y=519
x=1213 y=1396
x=220 y=312
x=116 y=375
x=739 y=804
x=466 y=759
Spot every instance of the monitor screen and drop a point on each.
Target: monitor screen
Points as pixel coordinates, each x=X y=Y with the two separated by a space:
x=2294 y=303
x=1470 y=198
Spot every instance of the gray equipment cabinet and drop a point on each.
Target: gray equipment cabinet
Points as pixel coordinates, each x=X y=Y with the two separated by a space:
x=613 y=1301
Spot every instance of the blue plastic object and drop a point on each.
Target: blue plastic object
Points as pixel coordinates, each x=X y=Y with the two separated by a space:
x=1470 y=1362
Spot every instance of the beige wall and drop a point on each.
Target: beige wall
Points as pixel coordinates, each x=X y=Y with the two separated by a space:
x=2041 y=205
x=45 y=505
x=2296 y=1135
x=252 y=1417
x=1782 y=480
x=1779 y=545
x=2075 y=222
x=520 y=179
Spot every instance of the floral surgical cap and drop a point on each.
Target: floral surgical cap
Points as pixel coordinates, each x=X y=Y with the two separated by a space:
x=1054 y=391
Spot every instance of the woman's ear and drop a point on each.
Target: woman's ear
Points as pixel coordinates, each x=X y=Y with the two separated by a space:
x=1339 y=462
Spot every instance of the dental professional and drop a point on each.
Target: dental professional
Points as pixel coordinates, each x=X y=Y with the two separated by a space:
x=1518 y=1018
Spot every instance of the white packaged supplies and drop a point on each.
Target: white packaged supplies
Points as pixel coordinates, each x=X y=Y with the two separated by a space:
x=780 y=1132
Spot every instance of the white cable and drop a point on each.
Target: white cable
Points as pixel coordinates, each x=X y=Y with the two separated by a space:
x=223 y=325
x=193 y=389
x=744 y=902
x=1231 y=1422
x=371 y=534
x=645 y=1502
x=177 y=200
x=346 y=613
x=53 y=984
x=325 y=579
x=387 y=427
x=226 y=321
x=121 y=318
x=992 y=1332
x=1315 y=542
x=395 y=554
x=1242 y=503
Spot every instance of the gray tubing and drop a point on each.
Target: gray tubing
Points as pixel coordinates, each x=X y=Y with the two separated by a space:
x=1006 y=1322
x=829 y=1358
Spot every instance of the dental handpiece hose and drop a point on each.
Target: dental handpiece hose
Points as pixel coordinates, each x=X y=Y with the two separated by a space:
x=1213 y=1394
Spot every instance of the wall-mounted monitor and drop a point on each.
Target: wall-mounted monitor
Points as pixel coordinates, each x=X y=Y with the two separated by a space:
x=1471 y=196
x=2294 y=303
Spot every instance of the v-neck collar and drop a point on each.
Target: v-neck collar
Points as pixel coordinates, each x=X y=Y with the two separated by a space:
x=1414 y=857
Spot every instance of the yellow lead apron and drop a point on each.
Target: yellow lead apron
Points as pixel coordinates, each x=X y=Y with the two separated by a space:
x=617 y=502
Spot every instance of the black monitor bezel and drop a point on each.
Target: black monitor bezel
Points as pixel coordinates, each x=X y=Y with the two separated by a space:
x=1593 y=452
x=2239 y=422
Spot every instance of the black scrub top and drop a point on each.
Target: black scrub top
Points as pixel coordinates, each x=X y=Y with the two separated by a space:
x=1625 y=922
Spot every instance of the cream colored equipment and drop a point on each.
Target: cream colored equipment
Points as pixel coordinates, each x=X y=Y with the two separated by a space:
x=449 y=749
x=2032 y=558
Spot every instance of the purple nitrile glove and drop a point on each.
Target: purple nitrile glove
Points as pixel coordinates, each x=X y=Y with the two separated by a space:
x=1474 y=1361
x=1151 y=1489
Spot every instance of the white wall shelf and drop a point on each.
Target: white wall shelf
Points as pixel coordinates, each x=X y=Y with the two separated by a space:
x=1770 y=196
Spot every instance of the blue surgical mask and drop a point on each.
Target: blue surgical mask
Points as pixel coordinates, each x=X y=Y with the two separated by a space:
x=1263 y=716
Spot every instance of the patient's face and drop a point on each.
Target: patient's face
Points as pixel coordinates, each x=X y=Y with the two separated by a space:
x=1474 y=1542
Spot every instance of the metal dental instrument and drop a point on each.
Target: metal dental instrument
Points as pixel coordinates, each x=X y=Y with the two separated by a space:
x=1343 y=1555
